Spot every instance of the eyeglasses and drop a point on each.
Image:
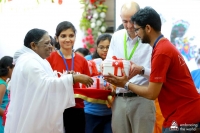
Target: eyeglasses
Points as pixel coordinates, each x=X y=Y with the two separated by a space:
x=103 y=48
x=136 y=29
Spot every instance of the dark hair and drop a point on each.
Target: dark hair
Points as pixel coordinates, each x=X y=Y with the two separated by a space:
x=84 y=51
x=5 y=62
x=102 y=37
x=147 y=16
x=33 y=35
x=120 y=27
x=64 y=26
x=54 y=43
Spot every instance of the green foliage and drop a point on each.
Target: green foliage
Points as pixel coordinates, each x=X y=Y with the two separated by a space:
x=92 y=22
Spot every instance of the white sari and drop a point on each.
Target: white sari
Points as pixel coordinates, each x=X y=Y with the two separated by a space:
x=38 y=96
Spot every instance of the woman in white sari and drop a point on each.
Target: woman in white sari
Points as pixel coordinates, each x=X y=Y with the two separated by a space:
x=38 y=96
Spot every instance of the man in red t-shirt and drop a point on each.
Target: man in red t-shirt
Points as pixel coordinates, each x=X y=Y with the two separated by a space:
x=170 y=79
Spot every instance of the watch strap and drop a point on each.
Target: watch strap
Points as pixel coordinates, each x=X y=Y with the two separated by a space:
x=126 y=86
x=142 y=71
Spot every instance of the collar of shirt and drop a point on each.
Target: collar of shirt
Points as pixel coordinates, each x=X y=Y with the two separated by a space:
x=130 y=41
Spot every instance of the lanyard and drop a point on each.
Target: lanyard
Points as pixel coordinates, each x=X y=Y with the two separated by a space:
x=72 y=67
x=125 y=49
x=154 y=45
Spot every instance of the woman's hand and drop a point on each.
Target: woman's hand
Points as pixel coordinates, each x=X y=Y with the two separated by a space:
x=84 y=79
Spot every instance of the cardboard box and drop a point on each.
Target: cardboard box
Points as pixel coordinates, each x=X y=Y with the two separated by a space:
x=115 y=67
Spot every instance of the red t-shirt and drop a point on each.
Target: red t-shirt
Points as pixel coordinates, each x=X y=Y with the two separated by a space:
x=179 y=100
x=80 y=65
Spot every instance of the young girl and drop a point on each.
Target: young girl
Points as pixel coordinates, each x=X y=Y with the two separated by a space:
x=65 y=59
x=98 y=116
x=6 y=68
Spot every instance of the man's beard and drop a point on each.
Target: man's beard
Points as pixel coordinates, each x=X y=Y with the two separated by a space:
x=145 y=38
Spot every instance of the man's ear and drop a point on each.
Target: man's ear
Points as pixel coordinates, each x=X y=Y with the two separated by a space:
x=148 y=28
x=33 y=46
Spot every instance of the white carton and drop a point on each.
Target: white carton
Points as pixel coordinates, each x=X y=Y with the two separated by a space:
x=100 y=82
x=115 y=67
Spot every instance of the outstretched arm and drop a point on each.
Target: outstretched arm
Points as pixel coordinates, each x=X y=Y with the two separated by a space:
x=136 y=69
x=150 y=92
x=84 y=79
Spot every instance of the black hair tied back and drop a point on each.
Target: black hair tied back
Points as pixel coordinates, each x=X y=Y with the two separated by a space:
x=5 y=62
x=3 y=71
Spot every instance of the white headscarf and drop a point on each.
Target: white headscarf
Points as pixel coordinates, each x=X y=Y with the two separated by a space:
x=19 y=52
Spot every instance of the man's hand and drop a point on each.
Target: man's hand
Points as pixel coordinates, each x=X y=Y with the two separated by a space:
x=117 y=81
x=135 y=69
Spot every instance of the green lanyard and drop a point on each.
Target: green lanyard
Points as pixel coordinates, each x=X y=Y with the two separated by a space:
x=125 y=49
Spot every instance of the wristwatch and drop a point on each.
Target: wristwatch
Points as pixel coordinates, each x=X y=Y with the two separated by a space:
x=126 y=86
x=142 y=71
